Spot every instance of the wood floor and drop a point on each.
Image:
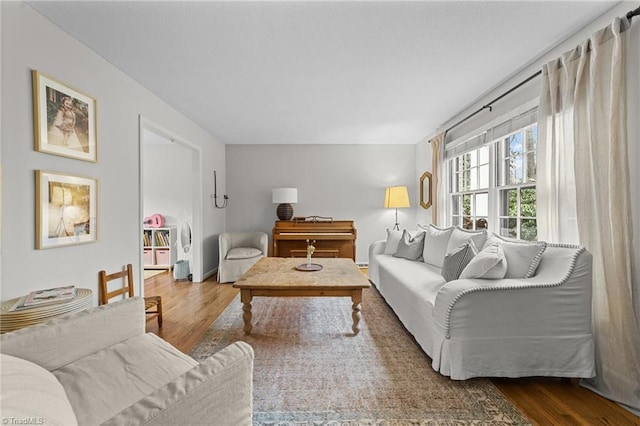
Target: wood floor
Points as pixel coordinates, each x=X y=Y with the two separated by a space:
x=190 y=308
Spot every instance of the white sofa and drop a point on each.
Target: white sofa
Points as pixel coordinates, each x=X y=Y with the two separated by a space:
x=100 y=367
x=509 y=327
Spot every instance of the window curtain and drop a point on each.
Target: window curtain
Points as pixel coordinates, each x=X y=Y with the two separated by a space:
x=437 y=158
x=582 y=150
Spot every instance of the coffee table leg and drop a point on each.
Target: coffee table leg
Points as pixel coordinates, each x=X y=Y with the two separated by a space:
x=356 y=298
x=245 y=298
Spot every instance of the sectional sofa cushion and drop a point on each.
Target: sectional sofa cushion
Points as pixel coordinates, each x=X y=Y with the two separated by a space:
x=126 y=371
x=490 y=264
x=30 y=391
x=455 y=261
x=459 y=236
x=410 y=247
x=523 y=257
x=435 y=244
x=393 y=239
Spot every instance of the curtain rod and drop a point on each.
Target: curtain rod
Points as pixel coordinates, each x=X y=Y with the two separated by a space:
x=488 y=105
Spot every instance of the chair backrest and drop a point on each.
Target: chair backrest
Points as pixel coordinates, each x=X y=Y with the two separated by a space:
x=126 y=275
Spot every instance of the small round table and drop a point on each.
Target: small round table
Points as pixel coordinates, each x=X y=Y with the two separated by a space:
x=15 y=320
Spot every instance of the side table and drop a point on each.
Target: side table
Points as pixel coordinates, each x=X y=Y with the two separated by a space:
x=15 y=320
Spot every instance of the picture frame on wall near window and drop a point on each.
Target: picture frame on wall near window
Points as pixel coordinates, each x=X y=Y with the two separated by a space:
x=66 y=209
x=64 y=119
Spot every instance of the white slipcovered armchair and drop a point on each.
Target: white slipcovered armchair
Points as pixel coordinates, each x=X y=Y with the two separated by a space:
x=238 y=252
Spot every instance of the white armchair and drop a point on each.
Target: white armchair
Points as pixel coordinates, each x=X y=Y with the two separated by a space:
x=238 y=252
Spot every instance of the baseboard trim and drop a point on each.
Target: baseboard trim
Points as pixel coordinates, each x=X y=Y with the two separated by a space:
x=209 y=274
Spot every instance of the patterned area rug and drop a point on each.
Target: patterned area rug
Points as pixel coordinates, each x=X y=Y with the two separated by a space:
x=309 y=369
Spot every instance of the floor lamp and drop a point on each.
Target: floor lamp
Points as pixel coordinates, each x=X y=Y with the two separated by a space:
x=396 y=197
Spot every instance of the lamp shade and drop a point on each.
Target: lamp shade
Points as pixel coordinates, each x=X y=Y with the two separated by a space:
x=396 y=197
x=284 y=195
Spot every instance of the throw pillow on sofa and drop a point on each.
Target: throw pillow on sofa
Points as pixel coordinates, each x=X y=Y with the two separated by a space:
x=410 y=247
x=435 y=244
x=393 y=239
x=455 y=262
x=523 y=257
x=490 y=264
x=459 y=236
x=30 y=391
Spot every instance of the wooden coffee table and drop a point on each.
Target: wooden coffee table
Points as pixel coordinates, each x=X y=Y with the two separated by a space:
x=278 y=277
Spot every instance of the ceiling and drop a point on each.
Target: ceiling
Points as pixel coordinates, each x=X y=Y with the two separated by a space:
x=298 y=72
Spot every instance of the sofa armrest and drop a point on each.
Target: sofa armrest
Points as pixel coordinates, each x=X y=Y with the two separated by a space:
x=58 y=342
x=560 y=293
x=377 y=247
x=218 y=389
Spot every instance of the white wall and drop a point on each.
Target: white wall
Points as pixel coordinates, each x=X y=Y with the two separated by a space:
x=167 y=182
x=29 y=42
x=346 y=182
x=423 y=164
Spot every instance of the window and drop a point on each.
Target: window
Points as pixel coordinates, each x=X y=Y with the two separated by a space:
x=470 y=201
x=493 y=186
x=516 y=178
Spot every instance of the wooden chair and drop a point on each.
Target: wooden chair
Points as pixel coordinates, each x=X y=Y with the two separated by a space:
x=126 y=275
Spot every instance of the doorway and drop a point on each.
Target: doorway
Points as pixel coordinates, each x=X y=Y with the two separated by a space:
x=170 y=186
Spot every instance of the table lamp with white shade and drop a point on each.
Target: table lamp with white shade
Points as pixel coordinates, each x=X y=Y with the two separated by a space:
x=284 y=197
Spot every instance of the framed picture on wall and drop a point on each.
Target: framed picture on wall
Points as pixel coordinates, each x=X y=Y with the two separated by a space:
x=66 y=209
x=64 y=120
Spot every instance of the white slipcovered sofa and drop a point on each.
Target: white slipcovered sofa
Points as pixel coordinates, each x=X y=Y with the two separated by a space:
x=100 y=367
x=494 y=326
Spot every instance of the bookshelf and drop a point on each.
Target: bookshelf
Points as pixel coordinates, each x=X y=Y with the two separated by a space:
x=159 y=248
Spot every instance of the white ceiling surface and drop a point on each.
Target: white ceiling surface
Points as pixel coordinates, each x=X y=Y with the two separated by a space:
x=299 y=72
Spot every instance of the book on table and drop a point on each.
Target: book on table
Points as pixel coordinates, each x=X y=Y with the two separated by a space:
x=47 y=296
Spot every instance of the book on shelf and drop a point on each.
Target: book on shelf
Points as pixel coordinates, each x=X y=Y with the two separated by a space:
x=162 y=238
x=45 y=297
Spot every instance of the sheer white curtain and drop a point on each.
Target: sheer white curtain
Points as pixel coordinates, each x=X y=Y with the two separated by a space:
x=437 y=158
x=582 y=150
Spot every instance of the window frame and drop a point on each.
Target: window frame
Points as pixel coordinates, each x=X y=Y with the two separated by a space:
x=497 y=175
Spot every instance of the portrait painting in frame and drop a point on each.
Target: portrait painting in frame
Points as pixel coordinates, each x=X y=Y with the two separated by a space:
x=66 y=209
x=64 y=119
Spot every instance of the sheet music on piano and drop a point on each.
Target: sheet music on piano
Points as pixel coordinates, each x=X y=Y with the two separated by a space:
x=313 y=219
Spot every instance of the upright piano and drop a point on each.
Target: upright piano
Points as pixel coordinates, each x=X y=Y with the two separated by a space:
x=331 y=238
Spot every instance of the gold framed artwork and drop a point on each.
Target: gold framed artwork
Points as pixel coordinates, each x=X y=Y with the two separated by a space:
x=425 y=190
x=66 y=209
x=64 y=120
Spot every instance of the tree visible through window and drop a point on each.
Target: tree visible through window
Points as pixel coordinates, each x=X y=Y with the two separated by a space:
x=493 y=186
x=516 y=180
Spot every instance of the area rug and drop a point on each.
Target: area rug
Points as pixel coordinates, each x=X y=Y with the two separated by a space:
x=309 y=368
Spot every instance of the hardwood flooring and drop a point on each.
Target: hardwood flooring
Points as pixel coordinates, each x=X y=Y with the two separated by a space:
x=190 y=308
